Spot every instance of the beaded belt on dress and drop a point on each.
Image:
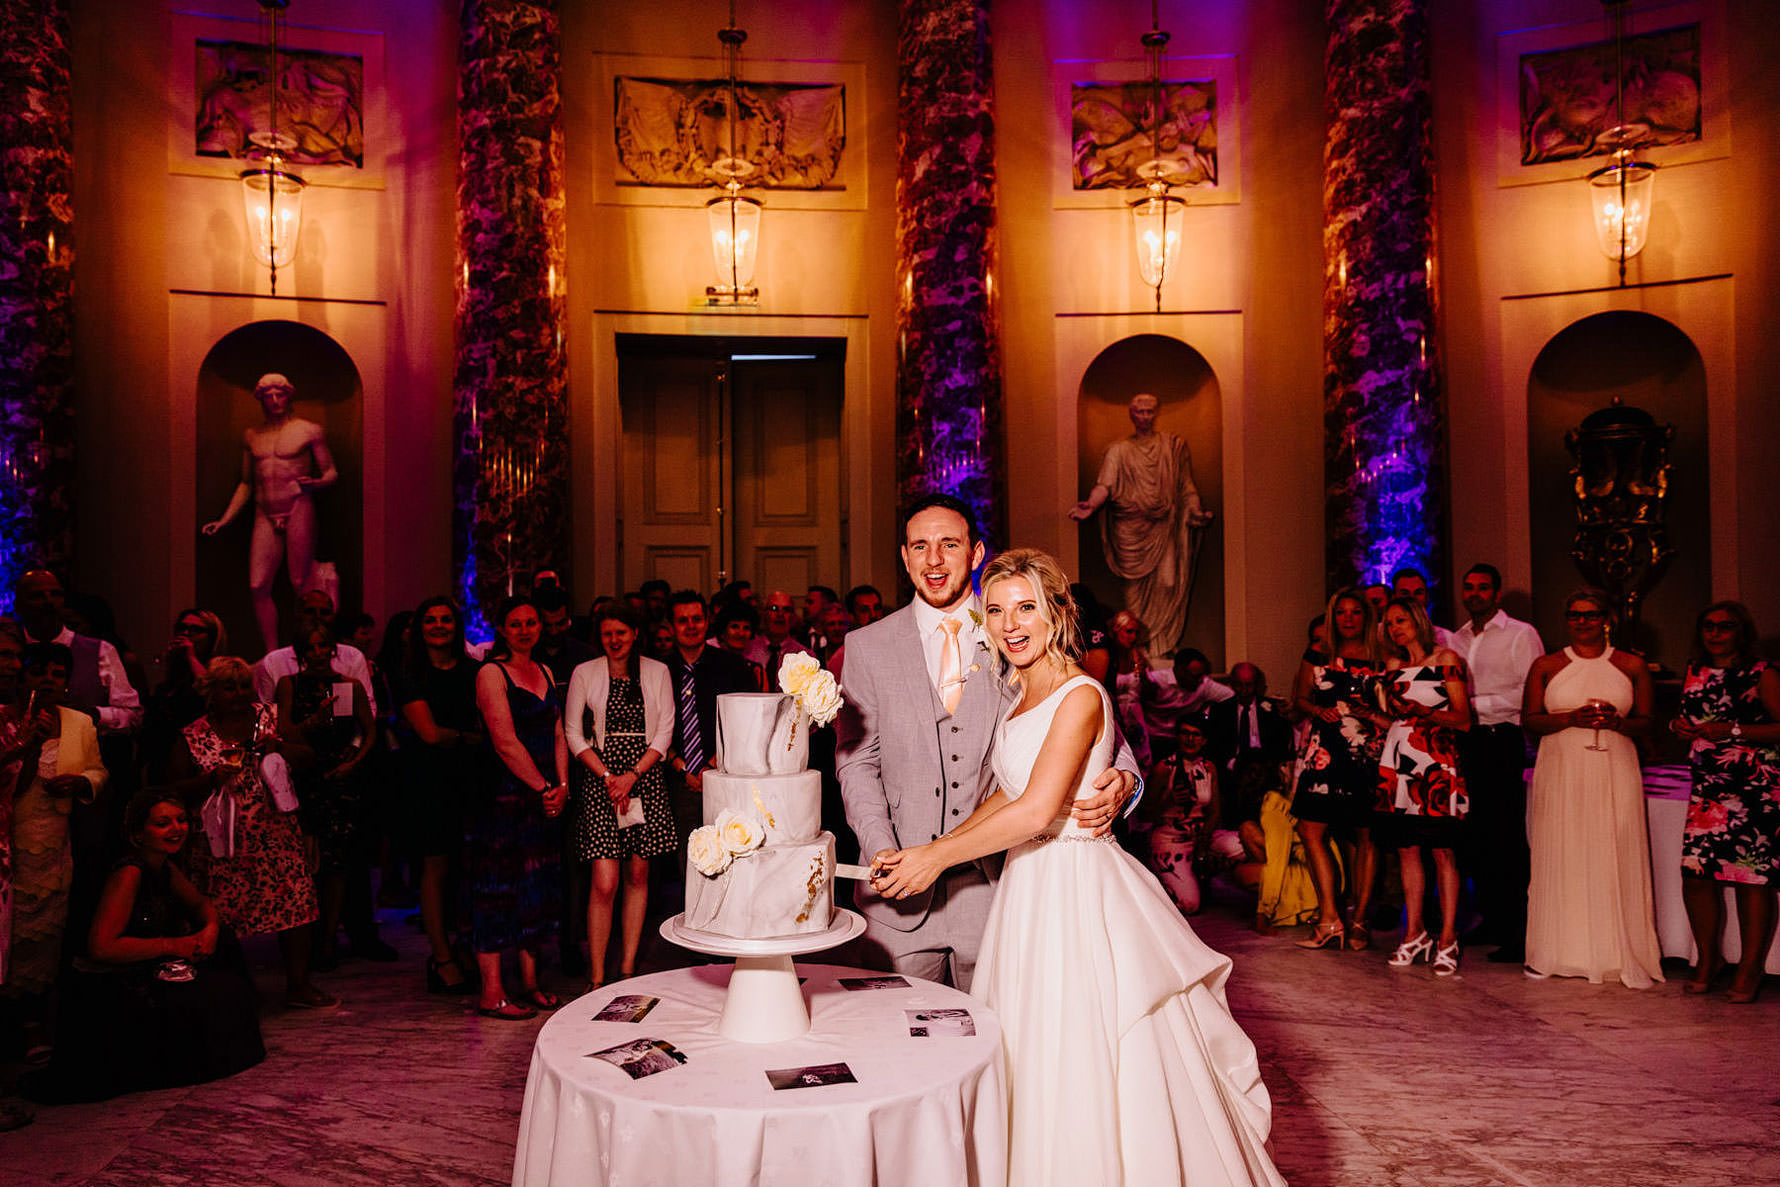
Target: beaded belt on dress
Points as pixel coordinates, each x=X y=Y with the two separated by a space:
x=626 y=734
x=1047 y=838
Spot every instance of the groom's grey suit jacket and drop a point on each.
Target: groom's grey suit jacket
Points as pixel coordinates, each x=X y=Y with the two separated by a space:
x=908 y=769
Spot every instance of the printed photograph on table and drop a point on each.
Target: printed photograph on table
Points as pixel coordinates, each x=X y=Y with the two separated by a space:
x=643 y=1057
x=945 y=1024
x=627 y=1007
x=857 y=983
x=816 y=1076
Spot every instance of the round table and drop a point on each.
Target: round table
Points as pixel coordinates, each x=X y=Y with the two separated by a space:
x=924 y=1111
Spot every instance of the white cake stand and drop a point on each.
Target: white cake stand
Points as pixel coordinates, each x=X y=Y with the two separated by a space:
x=765 y=1003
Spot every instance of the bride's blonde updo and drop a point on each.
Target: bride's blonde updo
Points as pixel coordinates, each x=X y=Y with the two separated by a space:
x=1055 y=605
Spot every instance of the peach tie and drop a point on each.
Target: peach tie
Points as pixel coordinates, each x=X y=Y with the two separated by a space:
x=951 y=666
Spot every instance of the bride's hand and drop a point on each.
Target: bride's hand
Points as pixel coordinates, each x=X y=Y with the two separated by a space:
x=1098 y=813
x=907 y=871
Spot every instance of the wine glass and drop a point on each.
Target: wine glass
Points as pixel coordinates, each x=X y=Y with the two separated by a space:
x=1598 y=708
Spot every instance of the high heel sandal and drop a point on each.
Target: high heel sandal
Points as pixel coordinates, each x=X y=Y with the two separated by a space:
x=1416 y=947
x=1359 y=937
x=435 y=977
x=1322 y=937
x=1446 y=960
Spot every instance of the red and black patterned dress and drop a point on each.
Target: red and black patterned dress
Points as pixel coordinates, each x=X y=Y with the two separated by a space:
x=1421 y=794
x=1338 y=765
x=266 y=886
x=1733 y=815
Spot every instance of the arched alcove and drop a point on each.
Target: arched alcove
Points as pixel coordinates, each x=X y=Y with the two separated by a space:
x=329 y=392
x=1191 y=408
x=1651 y=364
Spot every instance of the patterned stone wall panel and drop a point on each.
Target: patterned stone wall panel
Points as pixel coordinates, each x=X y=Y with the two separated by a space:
x=510 y=475
x=1383 y=406
x=949 y=366
x=36 y=288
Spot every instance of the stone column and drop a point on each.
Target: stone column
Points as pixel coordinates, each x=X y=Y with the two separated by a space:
x=36 y=289
x=948 y=379
x=510 y=476
x=1383 y=418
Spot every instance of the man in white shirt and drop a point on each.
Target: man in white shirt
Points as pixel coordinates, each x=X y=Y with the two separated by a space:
x=1410 y=583
x=98 y=682
x=1498 y=652
x=313 y=608
x=1164 y=697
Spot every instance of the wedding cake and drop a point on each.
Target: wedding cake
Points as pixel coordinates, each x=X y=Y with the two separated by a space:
x=762 y=867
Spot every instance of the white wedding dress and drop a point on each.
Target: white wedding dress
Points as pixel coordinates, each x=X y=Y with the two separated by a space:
x=1125 y=1065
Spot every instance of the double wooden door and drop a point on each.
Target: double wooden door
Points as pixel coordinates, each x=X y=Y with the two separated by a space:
x=732 y=465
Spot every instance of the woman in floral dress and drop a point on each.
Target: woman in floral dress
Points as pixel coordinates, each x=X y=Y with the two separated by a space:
x=1421 y=795
x=1186 y=788
x=1730 y=711
x=1338 y=766
x=265 y=886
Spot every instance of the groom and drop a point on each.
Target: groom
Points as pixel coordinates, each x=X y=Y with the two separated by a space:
x=913 y=744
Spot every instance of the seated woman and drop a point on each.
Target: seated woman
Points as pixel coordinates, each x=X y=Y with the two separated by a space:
x=162 y=998
x=1187 y=842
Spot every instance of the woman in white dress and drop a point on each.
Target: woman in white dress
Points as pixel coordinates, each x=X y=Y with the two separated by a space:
x=1589 y=905
x=1125 y=1064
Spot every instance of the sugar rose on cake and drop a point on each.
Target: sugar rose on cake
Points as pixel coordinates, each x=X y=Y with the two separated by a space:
x=707 y=852
x=740 y=832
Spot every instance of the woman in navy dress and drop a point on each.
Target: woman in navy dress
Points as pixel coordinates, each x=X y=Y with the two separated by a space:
x=514 y=855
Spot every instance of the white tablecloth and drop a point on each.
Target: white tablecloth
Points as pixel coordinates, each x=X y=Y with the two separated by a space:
x=927 y=1112
x=1665 y=806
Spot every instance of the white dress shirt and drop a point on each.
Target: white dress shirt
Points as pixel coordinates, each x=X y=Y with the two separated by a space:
x=1499 y=657
x=349 y=661
x=1166 y=704
x=123 y=705
x=933 y=638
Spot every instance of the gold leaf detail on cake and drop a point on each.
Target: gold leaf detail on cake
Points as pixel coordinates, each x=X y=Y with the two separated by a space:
x=754 y=790
x=813 y=884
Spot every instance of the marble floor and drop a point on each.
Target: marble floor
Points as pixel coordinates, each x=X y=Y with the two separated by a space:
x=1379 y=1078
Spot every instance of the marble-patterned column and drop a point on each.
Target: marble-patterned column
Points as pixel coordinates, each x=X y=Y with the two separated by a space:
x=36 y=289
x=510 y=478
x=948 y=380
x=1383 y=417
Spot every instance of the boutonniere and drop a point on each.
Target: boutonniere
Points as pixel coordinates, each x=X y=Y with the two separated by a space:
x=975 y=617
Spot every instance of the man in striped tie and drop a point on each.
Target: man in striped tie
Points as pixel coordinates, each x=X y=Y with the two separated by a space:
x=700 y=674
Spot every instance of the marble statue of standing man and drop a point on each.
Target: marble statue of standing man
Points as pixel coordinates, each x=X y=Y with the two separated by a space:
x=1152 y=511
x=283 y=462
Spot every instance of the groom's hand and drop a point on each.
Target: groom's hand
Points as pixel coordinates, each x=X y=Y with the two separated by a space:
x=1097 y=814
x=899 y=873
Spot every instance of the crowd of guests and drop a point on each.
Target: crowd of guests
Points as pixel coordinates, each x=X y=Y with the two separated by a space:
x=515 y=793
x=529 y=792
x=1402 y=739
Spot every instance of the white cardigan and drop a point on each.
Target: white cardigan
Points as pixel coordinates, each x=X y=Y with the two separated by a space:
x=588 y=685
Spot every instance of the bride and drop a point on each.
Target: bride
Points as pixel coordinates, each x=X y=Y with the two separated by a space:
x=1125 y=1064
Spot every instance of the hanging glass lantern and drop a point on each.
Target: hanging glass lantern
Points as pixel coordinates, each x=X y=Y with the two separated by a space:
x=1622 y=193
x=271 y=194
x=273 y=199
x=1156 y=221
x=735 y=240
x=734 y=219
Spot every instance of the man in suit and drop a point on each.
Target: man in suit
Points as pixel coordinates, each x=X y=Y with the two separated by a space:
x=700 y=674
x=913 y=743
x=1248 y=727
